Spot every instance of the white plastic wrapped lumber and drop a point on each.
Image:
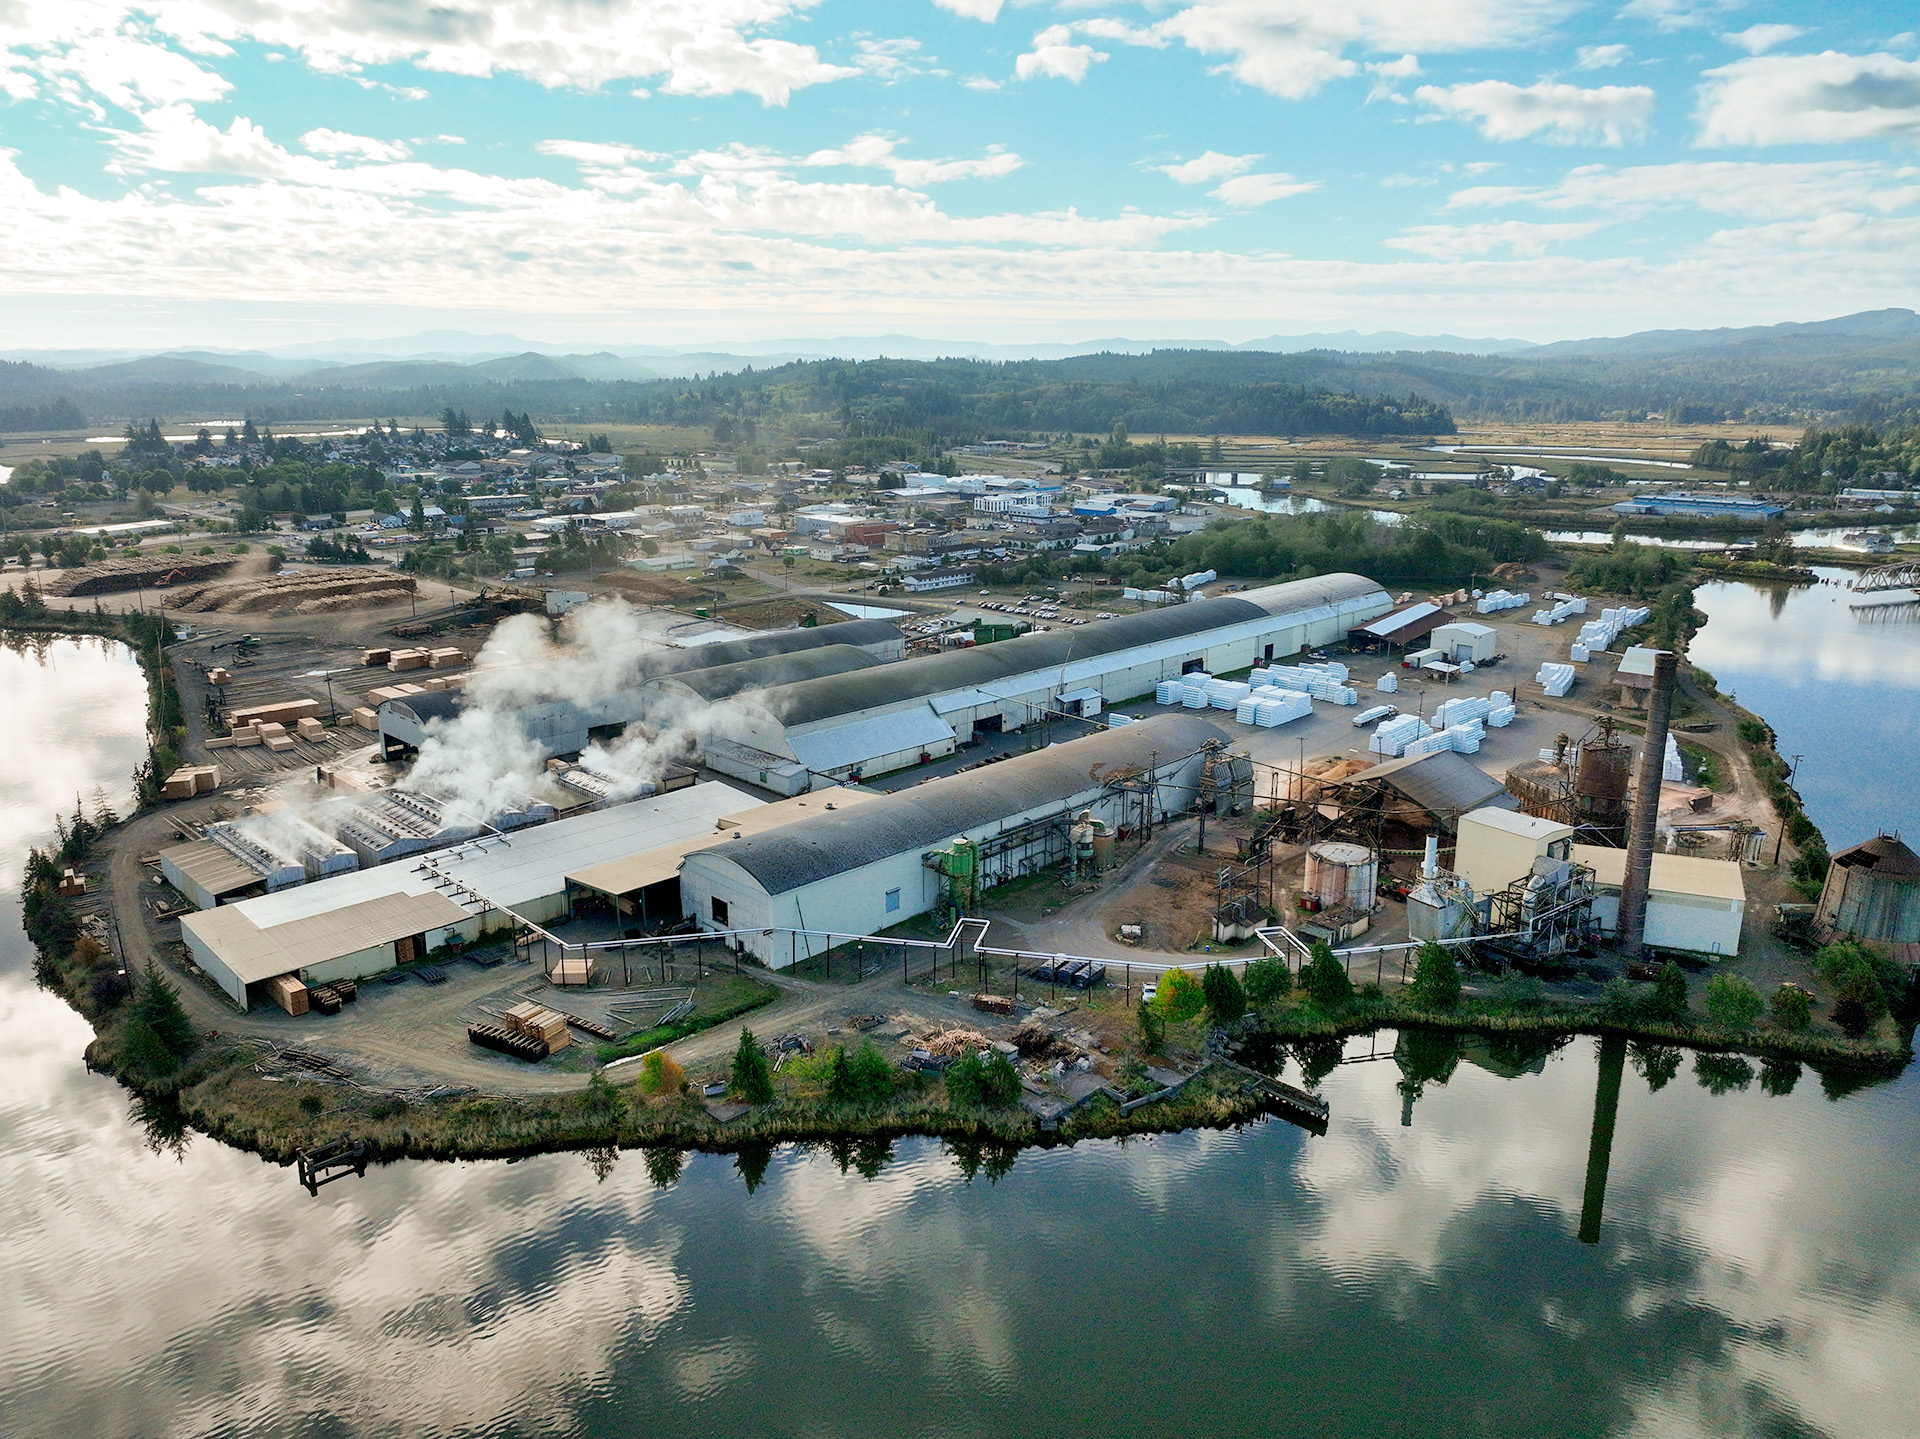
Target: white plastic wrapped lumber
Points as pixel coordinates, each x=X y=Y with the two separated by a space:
x=1193 y=697
x=1167 y=692
x=1671 y=770
x=1579 y=654
x=1247 y=711
x=1389 y=684
x=1500 y=718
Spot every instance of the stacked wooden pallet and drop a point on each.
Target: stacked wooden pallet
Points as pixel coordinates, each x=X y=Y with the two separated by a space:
x=507 y=1041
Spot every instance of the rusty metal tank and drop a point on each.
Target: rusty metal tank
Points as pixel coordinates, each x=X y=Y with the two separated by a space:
x=1340 y=873
x=1601 y=779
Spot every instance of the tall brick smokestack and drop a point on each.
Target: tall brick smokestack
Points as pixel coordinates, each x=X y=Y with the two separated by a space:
x=1632 y=928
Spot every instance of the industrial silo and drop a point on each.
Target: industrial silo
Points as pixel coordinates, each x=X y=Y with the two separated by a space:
x=1340 y=873
x=1873 y=892
x=1600 y=782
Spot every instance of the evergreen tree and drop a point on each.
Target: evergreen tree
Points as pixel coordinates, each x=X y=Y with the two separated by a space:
x=1327 y=978
x=1226 y=1000
x=1267 y=980
x=160 y=1010
x=965 y=1078
x=752 y=1080
x=1436 y=978
x=840 y=1077
x=1669 y=994
x=999 y=1080
x=1153 y=1028
x=142 y=1054
x=871 y=1074
x=752 y=1161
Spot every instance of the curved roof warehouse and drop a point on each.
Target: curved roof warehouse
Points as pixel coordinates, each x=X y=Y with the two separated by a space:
x=859 y=870
x=563 y=723
x=869 y=721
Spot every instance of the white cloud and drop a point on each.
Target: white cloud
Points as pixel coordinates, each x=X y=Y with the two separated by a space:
x=1244 y=192
x=987 y=10
x=889 y=59
x=1810 y=100
x=1601 y=57
x=1727 y=187
x=694 y=47
x=1671 y=15
x=1210 y=166
x=1291 y=48
x=877 y=152
x=1758 y=38
x=1520 y=237
x=337 y=143
x=980 y=82
x=1053 y=54
x=1563 y=113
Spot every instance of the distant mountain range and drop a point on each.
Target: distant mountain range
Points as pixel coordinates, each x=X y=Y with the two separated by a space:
x=1864 y=366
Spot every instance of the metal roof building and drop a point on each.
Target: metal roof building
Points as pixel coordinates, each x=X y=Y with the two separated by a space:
x=525 y=872
x=874 y=720
x=860 y=871
x=565 y=724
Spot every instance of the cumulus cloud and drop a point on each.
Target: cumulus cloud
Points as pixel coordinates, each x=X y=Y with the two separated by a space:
x=1727 y=187
x=1601 y=57
x=1563 y=113
x=1520 y=237
x=1671 y=15
x=880 y=152
x=1291 y=48
x=693 y=47
x=1810 y=100
x=1054 y=54
x=1210 y=166
x=1756 y=39
x=336 y=142
x=987 y=10
x=1245 y=192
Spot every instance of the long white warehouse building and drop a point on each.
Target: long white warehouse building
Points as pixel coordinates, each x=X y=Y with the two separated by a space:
x=861 y=870
x=870 y=720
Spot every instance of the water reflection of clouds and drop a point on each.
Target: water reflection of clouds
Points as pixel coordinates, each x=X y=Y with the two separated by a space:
x=73 y=706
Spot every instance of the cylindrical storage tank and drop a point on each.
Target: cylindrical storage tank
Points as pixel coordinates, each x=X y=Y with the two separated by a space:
x=1102 y=846
x=1605 y=769
x=1339 y=873
x=1540 y=786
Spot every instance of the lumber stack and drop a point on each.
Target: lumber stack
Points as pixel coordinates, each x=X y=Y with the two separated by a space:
x=537 y=1022
x=506 y=1041
x=288 y=992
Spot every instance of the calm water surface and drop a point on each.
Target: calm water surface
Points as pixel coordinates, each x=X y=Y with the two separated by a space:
x=1840 y=686
x=1416 y=1271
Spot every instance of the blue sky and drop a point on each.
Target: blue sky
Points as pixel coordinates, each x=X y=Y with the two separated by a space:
x=257 y=171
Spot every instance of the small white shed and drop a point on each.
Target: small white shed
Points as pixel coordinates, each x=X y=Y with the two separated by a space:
x=1465 y=640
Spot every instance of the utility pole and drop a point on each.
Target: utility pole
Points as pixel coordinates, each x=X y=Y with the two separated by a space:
x=1777 y=839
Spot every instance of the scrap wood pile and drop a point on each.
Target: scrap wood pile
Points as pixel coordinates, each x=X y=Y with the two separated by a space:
x=954 y=1042
x=141 y=572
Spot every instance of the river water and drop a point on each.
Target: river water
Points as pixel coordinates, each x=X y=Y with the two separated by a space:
x=1839 y=685
x=1417 y=1270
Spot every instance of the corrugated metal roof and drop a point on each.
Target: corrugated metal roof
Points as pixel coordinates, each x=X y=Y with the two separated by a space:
x=1445 y=784
x=1672 y=873
x=827 y=750
x=721 y=681
x=812 y=700
x=254 y=954
x=1388 y=626
x=213 y=867
x=788 y=858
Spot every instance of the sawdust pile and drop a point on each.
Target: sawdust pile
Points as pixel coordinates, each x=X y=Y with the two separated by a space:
x=300 y=593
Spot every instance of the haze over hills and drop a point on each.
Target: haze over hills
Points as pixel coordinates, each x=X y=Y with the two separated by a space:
x=1864 y=366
